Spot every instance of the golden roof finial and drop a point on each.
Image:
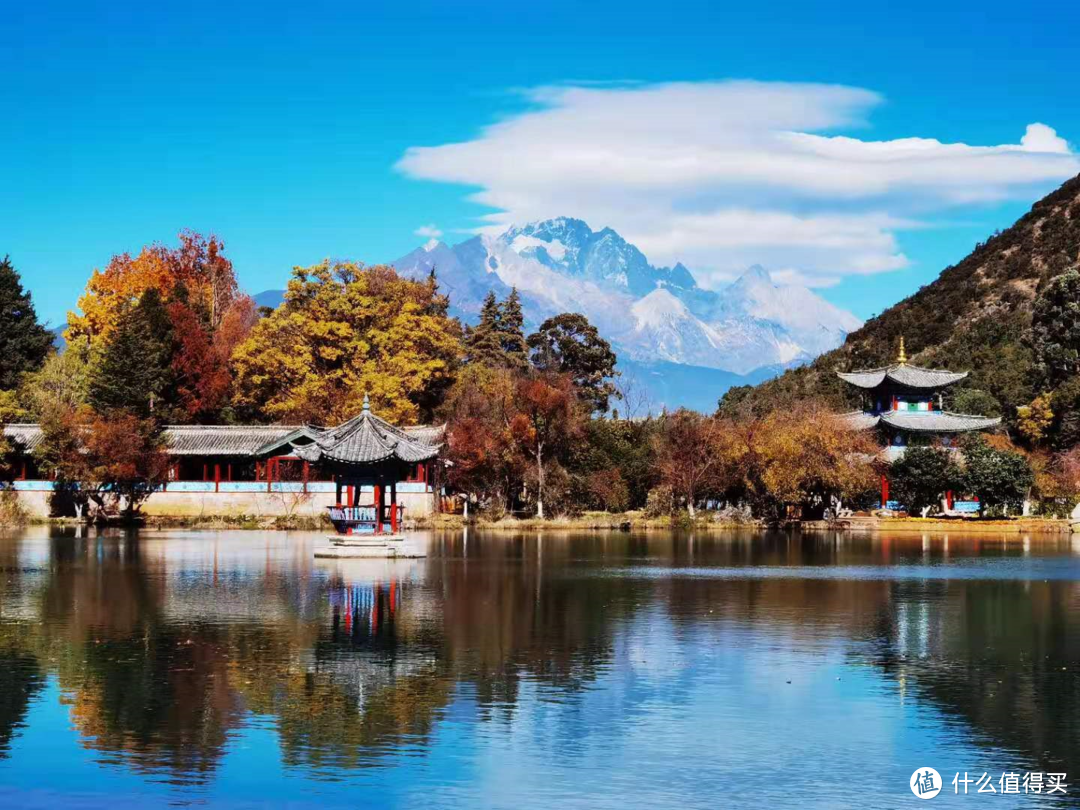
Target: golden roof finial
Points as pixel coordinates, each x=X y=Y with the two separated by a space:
x=902 y=357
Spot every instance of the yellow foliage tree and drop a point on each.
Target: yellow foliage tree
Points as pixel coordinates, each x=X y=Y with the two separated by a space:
x=1035 y=419
x=344 y=330
x=802 y=455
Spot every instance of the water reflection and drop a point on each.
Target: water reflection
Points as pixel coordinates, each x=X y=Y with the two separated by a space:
x=166 y=649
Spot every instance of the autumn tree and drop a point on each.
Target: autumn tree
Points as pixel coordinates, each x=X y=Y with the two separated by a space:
x=201 y=359
x=1034 y=419
x=112 y=463
x=198 y=266
x=344 y=330
x=547 y=418
x=688 y=456
x=484 y=460
x=24 y=343
x=569 y=344
x=208 y=318
x=809 y=455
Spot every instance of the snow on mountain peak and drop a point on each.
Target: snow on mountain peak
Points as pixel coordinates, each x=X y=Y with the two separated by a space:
x=562 y=265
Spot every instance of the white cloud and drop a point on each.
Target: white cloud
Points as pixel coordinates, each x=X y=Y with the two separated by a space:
x=428 y=232
x=720 y=175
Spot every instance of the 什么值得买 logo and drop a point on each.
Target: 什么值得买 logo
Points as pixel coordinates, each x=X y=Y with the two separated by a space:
x=925 y=783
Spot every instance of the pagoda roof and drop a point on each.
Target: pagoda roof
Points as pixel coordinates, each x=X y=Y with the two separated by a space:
x=367 y=439
x=902 y=374
x=922 y=421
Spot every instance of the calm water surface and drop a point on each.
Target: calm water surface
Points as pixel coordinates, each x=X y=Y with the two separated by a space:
x=597 y=671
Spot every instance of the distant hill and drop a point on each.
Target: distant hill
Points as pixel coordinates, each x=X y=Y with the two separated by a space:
x=976 y=316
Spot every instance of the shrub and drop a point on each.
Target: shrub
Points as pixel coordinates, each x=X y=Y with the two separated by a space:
x=660 y=501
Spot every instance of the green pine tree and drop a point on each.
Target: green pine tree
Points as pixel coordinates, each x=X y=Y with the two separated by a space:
x=511 y=327
x=24 y=343
x=482 y=342
x=135 y=371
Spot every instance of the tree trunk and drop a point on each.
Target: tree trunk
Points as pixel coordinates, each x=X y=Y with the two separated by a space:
x=540 y=481
x=690 y=505
x=466 y=507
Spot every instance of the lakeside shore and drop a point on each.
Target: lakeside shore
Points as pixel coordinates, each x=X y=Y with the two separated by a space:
x=624 y=521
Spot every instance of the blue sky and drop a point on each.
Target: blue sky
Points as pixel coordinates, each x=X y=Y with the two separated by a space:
x=282 y=127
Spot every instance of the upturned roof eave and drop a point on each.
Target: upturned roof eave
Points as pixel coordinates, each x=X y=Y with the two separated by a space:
x=902 y=374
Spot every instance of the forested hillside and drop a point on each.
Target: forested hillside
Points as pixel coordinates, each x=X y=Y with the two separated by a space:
x=1009 y=313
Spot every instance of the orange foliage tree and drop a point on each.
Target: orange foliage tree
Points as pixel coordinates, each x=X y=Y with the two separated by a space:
x=688 y=455
x=112 y=461
x=803 y=456
x=549 y=416
x=210 y=317
x=197 y=266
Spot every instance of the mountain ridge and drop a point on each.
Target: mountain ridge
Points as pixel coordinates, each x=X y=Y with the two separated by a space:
x=976 y=316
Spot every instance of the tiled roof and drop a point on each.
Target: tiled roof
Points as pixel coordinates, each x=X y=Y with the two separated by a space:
x=224 y=440
x=860 y=420
x=937 y=421
x=421 y=442
x=902 y=374
x=367 y=439
x=25 y=436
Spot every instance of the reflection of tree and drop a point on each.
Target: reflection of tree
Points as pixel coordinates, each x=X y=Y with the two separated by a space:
x=20 y=680
x=161 y=662
x=151 y=692
x=1001 y=655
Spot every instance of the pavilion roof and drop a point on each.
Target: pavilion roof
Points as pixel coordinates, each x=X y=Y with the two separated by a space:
x=922 y=421
x=902 y=374
x=368 y=439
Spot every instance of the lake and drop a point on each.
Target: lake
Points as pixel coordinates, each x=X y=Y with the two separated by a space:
x=231 y=669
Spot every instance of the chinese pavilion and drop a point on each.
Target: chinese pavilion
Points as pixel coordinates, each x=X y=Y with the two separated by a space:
x=904 y=403
x=368 y=451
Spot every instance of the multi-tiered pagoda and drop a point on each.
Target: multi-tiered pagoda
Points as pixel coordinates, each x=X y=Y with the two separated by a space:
x=904 y=403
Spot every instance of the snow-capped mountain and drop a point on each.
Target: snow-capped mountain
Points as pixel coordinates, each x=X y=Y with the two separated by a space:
x=650 y=314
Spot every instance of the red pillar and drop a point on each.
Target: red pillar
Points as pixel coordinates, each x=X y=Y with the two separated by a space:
x=217 y=476
x=307 y=469
x=949 y=500
x=378 y=507
x=393 y=507
x=350 y=495
x=884 y=492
